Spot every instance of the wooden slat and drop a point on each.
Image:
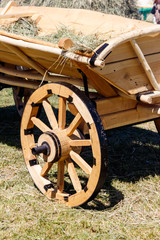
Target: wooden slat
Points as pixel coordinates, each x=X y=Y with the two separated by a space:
x=127 y=76
x=62 y=113
x=7 y=7
x=97 y=81
x=25 y=58
x=124 y=118
x=39 y=124
x=13 y=81
x=150 y=110
x=81 y=162
x=145 y=65
x=114 y=104
x=50 y=114
x=46 y=168
x=74 y=124
x=18 y=15
x=73 y=175
x=60 y=176
x=80 y=143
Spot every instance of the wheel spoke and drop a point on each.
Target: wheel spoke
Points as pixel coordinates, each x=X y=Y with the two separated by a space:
x=74 y=124
x=60 y=176
x=50 y=114
x=62 y=113
x=81 y=163
x=39 y=124
x=47 y=166
x=73 y=176
x=80 y=143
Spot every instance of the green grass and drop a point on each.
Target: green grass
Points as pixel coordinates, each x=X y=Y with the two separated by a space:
x=128 y=206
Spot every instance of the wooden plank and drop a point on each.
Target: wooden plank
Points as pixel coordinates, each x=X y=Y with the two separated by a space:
x=7 y=7
x=36 y=76
x=25 y=58
x=13 y=81
x=124 y=118
x=128 y=76
x=145 y=65
x=18 y=15
x=125 y=51
x=114 y=104
x=123 y=38
x=98 y=82
x=151 y=109
x=123 y=69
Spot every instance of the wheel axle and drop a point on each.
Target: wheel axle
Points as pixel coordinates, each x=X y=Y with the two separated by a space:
x=44 y=148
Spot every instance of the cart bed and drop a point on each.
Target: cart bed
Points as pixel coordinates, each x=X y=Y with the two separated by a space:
x=115 y=62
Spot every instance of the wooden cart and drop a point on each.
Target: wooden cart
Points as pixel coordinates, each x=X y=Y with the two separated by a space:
x=64 y=145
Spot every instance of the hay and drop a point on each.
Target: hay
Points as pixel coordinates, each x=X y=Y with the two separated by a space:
x=27 y=27
x=126 y=8
x=87 y=43
x=23 y=26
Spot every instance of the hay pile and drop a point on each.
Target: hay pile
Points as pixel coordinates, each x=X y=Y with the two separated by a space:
x=27 y=27
x=126 y=8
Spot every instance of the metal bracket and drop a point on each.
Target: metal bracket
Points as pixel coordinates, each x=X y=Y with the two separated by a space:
x=85 y=82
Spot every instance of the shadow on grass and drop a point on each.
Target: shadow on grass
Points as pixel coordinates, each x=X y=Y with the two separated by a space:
x=10 y=126
x=133 y=153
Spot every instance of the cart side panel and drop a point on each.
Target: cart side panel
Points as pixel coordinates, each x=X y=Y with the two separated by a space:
x=98 y=82
x=55 y=63
x=125 y=51
x=124 y=70
x=128 y=76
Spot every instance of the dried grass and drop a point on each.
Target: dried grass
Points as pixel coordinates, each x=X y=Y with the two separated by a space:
x=27 y=27
x=125 y=8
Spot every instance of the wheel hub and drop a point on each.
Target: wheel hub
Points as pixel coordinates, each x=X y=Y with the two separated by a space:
x=52 y=146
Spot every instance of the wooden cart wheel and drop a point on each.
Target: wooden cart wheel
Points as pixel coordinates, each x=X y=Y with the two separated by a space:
x=21 y=96
x=63 y=164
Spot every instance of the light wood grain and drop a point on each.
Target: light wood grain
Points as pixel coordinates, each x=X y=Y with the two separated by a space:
x=73 y=175
x=145 y=65
x=39 y=124
x=50 y=114
x=74 y=124
x=62 y=113
x=81 y=162
x=60 y=176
